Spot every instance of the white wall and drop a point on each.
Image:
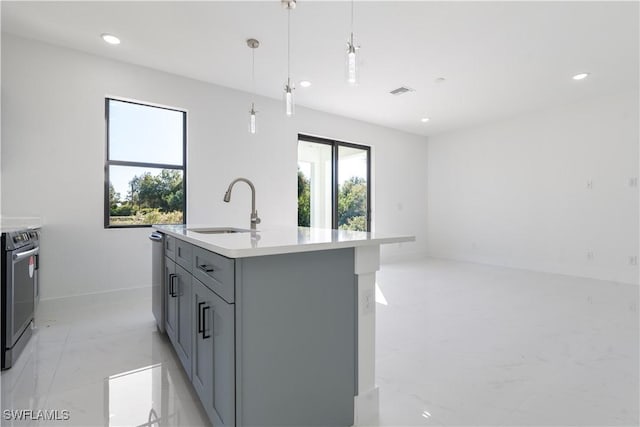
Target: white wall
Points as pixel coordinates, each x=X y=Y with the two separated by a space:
x=53 y=151
x=515 y=193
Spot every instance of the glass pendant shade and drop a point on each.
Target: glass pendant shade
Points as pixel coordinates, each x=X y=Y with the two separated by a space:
x=288 y=98
x=252 y=120
x=352 y=66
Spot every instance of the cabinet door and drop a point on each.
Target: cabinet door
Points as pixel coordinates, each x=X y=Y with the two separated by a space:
x=202 y=358
x=221 y=321
x=213 y=359
x=171 y=314
x=183 y=329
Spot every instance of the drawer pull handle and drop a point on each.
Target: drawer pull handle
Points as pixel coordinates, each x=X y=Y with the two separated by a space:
x=200 y=312
x=206 y=268
x=204 y=332
x=172 y=292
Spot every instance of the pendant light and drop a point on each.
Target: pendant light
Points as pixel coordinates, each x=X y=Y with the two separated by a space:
x=351 y=63
x=253 y=45
x=289 y=86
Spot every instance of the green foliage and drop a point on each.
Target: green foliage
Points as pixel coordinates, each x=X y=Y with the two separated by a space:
x=163 y=191
x=114 y=198
x=148 y=216
x=125 y=209
x=304 y=200
x=152 y=199
x=352 y=204
x=357 y=223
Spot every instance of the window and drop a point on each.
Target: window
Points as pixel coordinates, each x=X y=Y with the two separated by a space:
x=334 y=184
x=145 y=170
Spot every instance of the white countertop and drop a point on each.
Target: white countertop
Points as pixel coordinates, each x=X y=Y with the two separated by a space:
x=273 y=241
x=10 y=224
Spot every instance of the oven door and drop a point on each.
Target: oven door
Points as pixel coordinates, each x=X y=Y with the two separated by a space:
x=20 y=292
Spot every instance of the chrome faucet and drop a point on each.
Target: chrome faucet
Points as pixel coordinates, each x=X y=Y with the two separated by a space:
x=254 y=213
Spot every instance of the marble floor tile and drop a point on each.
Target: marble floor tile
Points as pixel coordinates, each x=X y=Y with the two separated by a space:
x=482 y=345
x=458 y=344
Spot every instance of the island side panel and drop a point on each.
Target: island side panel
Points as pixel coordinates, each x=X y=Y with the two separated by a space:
x=366 y=403
x=296 y=339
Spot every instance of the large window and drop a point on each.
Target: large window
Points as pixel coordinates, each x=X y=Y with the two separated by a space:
x=334 y=184
x=145 y=165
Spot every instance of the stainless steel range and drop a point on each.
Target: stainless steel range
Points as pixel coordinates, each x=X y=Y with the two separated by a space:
x=20 y=261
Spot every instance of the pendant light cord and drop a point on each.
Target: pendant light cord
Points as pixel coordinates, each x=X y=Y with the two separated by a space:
x=253 y=71
x=288 y=44
x=352 y=1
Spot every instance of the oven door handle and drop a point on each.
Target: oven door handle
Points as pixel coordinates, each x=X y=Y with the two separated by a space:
x=21 y=255
x=155 y=237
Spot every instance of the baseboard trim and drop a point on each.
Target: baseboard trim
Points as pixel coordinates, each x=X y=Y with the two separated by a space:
x=91 y=294
x=366 y=408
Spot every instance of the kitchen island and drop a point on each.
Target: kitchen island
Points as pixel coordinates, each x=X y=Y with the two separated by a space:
x=275 y=326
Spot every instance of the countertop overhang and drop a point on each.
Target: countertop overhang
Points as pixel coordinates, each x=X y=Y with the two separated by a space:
x=275 y=241
x=11 y=224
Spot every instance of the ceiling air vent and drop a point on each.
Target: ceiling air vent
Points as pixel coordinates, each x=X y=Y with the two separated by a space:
x=401 y=90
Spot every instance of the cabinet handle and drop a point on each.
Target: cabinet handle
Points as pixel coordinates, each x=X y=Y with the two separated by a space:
x=200 y=324
x=172 y=288
x=171 y=277
x=206 y=268
x=204 y=337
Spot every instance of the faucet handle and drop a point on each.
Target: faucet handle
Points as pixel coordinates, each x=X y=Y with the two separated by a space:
x=255 y=219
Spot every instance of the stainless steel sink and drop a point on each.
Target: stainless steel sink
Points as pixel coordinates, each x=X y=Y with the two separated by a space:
x=218 y=230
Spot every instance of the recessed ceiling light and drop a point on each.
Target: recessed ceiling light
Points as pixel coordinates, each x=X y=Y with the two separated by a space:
x=581 y=76
x=305 y=83
x=425 y=119
x=110 y=38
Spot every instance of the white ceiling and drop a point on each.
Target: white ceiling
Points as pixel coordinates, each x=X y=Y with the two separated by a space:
x=499 y=59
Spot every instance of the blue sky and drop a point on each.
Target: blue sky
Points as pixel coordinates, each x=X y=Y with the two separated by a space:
x=143 y=134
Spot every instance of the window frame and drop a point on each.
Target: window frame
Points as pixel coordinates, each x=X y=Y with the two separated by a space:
x=109 y=162
x=335 y=145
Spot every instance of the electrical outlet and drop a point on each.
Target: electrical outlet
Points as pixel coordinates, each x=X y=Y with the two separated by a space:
x=633 y=260
x=590 y=255
x=590 y=184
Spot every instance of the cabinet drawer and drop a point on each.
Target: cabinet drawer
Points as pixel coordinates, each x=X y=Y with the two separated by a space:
x=184 y=254
x=170 y=247
x=215 y=271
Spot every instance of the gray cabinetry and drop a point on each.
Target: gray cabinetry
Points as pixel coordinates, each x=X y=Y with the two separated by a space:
x=296 y=339
x=215 y=271
x=266 y=340
x=213 y=371
x=171 y=305
x=170 y=247
x=182 y=342
x=178 y=309
x=183 y=254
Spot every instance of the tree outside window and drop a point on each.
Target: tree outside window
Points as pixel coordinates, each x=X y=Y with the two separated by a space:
x=145 y=165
